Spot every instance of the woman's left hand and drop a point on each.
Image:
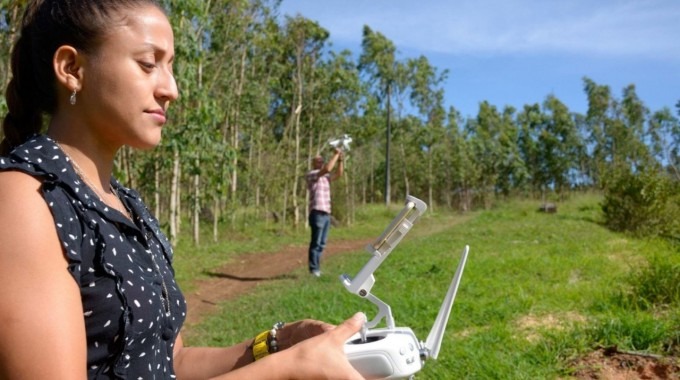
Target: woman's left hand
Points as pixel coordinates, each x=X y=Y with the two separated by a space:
x=296 y=332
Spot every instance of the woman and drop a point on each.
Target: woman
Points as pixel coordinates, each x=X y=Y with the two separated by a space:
x=102 y=71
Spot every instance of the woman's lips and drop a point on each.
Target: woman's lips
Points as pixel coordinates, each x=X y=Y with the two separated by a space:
x=159 y=115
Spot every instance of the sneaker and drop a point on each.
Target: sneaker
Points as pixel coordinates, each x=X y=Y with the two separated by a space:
x=316 y=273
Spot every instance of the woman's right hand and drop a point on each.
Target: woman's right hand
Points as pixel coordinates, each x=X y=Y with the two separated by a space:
x=323 y=356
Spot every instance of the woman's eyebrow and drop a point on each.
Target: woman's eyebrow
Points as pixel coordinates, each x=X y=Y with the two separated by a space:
x=152 y=47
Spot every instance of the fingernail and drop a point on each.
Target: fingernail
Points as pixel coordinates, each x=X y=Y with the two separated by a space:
x=360 y=316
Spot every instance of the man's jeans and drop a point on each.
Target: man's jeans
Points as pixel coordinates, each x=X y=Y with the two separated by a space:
x=320 y=222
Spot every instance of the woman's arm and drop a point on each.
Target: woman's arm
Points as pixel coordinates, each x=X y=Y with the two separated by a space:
x=310 y=350
x=205 y=362
x=42 y=332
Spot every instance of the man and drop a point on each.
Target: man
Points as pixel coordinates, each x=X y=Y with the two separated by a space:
x=318 y=185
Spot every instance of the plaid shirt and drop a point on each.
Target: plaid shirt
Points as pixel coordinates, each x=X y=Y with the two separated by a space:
x=319 y=191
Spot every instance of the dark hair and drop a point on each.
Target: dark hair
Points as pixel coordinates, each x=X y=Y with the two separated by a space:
x=47 y=25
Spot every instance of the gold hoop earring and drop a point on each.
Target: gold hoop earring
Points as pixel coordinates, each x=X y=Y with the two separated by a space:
x=72 y=98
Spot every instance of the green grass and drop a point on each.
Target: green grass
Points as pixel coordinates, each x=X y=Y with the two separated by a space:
x=192 y=263
x=538 y=290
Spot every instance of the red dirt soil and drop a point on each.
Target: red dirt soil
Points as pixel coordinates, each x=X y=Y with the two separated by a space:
x=245 y=272
x=611 y=364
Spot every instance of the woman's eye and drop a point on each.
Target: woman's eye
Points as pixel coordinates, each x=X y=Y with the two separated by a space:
x=148 y=65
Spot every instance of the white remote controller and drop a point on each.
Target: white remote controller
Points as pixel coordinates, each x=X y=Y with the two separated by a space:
x=386 y=354
x=394 y=352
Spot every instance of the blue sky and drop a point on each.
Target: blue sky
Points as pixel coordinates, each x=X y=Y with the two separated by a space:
x=517 y=52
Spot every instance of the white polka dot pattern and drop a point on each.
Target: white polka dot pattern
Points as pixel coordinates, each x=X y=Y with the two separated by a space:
x=129 y=334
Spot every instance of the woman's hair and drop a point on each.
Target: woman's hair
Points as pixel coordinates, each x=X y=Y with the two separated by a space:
x=47 y=25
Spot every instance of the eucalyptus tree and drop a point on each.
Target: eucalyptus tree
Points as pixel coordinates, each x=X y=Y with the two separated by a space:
x=410 y=165
x=483 y=132
x=372 y=121
x=616 y=129
x=264 y=72
x=303 y=46
x=560 y=144
x=511 y=168
x=493 y=138
x=596 y=121
x=456 y=164
x=244 y=42
x=428 y=97
x=378 y=63
x=582 y=177
x=630 y=134
x=334 y=101
x=193 y=137
x=531 y=123
x=664 y=133
x=235 y=24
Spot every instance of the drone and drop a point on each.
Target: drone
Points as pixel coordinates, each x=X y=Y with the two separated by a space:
x=394 y=352
x=341 y=142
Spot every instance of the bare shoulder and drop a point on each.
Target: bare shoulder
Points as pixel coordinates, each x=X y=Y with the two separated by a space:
x=19 y=194
x=41 y=315
x=26 y=219
x=14 y=180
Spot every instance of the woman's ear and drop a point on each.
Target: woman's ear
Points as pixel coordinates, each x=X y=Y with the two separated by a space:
x=68 y=67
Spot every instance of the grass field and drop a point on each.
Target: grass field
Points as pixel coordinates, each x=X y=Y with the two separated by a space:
x=538 y=290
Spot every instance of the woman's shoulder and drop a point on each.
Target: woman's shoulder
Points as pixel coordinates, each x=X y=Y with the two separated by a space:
x=19 y=191
x=24 y=213
x=20 y=174
x=18 y=184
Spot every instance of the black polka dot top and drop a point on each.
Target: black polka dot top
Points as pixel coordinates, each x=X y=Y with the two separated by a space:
x=133 y=308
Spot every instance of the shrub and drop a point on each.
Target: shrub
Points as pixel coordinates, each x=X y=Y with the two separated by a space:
x=656 y=285
x=644 y=203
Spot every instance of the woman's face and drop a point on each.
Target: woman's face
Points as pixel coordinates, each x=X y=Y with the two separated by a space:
x=128 y=82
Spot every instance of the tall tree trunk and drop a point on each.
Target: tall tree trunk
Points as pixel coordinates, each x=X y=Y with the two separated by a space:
x=404 y=167
x=196 y=207
x=157 y=187
x=388 y=134
x=285 y=206
x=296 y=160
x=126 y=165
x=216 y=218
x=174 y=196
x=430 y=180
x=297 y=111
x=259 y=166
x=235 y=125
x=371 y=180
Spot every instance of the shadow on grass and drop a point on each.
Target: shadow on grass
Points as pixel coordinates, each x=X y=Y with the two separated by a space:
x=285 y=276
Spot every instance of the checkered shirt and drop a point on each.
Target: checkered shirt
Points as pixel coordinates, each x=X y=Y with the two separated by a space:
x=319 y=188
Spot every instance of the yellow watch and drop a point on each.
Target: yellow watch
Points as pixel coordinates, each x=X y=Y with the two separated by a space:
x=261 y=345
x=265 y=343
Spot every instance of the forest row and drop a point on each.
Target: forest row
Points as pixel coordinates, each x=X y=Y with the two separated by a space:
x=261 y=94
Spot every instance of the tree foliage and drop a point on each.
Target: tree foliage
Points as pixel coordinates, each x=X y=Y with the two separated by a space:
x=262 y=93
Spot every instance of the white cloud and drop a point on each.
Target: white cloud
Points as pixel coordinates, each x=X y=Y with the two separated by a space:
x=601 y=27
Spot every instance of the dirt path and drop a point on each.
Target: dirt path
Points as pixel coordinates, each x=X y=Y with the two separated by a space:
x=248 y=270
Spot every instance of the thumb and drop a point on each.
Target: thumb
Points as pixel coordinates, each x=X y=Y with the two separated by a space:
x=350 y=326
